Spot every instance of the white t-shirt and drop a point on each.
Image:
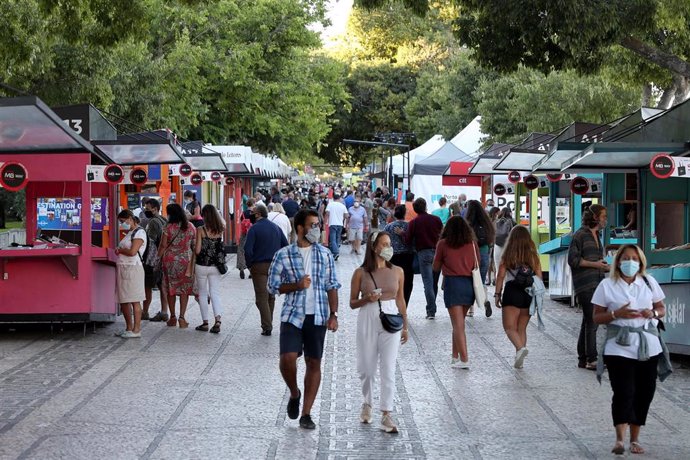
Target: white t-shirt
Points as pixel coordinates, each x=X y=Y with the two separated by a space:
x=126 y=243
x=310 y=307
x=336 y=213
x=614 y=294
x=282 y=221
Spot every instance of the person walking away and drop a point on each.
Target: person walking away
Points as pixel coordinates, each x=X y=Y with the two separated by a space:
x=177 y=254
x=193 y=208
x=504 y=224
x=263 y=241
x=277 y=216
x=479 y=221
x=442 y=212
x=630 y=303
x=368 y=205
x=210 y=252
x=586 y=260
x=291 y=208
x=493 y=267
x=153 y=275
x=409 y=207
x=336 y=214
x=424 y=231
x=403 y=253
x=377 y=286
x=356 y=225
x=458 y=208
x=246 y=221
x=456 y=256
x=130 y=273
x=305 y=273
x=519 y=264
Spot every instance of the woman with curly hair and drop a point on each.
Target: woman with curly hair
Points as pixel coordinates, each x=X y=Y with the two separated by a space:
x=480 y=222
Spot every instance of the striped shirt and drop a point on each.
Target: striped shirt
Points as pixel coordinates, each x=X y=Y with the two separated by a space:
x=585 y=247
x=288 y=267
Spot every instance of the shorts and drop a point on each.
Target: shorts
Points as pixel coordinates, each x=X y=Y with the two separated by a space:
x=152 y=277
x=458 y=290
x=355 y=234
x=309 y=339
x=515 y=296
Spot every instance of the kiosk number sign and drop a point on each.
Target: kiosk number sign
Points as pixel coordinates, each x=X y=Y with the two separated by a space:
x=579 y=185
x=499 y=189
x=531 y=182
x=138 y=176
x=196 y=179
x=13 y=176
x=114 y=174
x=514 y=177
x=662 y=166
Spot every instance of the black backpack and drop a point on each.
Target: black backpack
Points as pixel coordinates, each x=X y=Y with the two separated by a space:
x=523 y=276
x=482 y=237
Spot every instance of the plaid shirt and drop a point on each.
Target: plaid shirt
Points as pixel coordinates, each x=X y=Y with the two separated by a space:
x=288 y=267
x=585 y=247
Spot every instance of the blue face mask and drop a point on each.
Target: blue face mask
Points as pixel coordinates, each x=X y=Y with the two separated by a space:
x=630 y=267
x=125 y=226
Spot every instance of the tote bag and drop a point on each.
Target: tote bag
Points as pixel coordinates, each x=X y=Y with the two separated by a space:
x=478 y=283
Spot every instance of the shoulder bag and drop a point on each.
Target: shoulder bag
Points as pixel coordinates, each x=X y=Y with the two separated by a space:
x=477 y=283
x=391 y=323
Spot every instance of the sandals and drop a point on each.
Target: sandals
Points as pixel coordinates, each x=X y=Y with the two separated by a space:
x=172 y=322
x=216 y=327
x=618 y=449
x=636 y=448
x=203 y=327
x=183 y=323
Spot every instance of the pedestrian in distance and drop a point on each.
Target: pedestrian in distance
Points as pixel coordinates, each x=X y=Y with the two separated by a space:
x=193 y=208
x=305 y=273
x=177 y=256
x=130 y=273
x=409 y=206
x=442 y=212
x=336 y=216
x=277 y=215
x=519 y=264
x=263 y=241
x=456 y=256
x=356 y=225
x=483 y=228
x=586 y=260
x=403 y=253
x=210 y=253
x=378 y=287
x=503 y=225
x=152 y=268
x=630 y=303
x=493 y=266
x=246 y=221
x=459 y=207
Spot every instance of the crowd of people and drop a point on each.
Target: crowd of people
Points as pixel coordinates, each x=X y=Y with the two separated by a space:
x=461 y=248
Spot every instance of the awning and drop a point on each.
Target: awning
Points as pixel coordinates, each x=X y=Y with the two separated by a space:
x=620 y=156
x=485 y=163
x=151 y=147
x=237 y=158
x=572 y=140
x=523 y=157
x=436 y=163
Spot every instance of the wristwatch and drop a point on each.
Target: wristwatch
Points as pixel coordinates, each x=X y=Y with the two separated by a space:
x=656 y=313
x=334 y=313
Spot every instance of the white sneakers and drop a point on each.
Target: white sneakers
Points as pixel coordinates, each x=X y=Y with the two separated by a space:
x=388 y=425
x=365 y=416
x=130 y=335
x=457 y=363
x=520 y=357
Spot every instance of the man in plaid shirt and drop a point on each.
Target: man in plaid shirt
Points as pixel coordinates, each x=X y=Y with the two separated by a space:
x=305 y=272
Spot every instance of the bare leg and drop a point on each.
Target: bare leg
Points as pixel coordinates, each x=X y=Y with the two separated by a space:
x=136 y=327
x=149 y=298
x=312 y=381
x=164 y=301
x=171 y=305
x=510 y=325
x=126 y=309
x=457 y=319
x=620 y=434
x=184 y=300
x=635 y=446
x=288 y=369
x=523 y=321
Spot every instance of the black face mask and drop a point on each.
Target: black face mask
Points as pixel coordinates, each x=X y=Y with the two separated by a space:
x=148 y=214
x=252 y=219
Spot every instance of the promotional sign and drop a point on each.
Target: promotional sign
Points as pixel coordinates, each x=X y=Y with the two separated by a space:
x=514 y=177
x=196 y=179
x=466 y=181
x=66 y=213
x=531 y=182
x=13 y=176
x=664 y=166
x=500 y=189
x=114 y=174
x=138 y=176
x=216 y=176
x=579 y=185
x=554 y=177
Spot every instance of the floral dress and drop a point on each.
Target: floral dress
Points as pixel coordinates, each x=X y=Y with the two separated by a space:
x=176 y=259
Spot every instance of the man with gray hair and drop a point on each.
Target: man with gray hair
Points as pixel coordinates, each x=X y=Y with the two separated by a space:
x=264 y=239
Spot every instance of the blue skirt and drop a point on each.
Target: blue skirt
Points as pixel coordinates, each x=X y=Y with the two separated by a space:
x=458 y=290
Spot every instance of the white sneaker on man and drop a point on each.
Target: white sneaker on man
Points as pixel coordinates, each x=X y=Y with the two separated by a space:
x=520 y=357
x=365 y=416
x=388 y=425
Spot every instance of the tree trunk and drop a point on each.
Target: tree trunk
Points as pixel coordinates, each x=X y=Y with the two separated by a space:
x=668 y=96
x=659 y=57
x=647 y=95
x=681 y=94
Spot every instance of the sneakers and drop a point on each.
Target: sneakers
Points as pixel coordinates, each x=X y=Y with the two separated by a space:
x=457 y=363
x=365 y=416
x=430 y=316
x=470 y=312
x=160 y=316
x=487 y=308
x=119 y=333
x=293 y=407
x=306 y=422
x=520 y=357
x=131 y=335
x=388 y=425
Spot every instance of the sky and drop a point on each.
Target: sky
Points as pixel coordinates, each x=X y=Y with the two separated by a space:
x=338 y=13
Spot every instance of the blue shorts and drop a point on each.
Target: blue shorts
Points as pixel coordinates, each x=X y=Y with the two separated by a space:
x=309 y=339
x=458 y=290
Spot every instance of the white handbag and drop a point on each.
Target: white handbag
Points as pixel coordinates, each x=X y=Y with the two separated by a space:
x=477 y=282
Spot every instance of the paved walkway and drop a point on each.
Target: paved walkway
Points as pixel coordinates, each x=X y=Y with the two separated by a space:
x=185 y=394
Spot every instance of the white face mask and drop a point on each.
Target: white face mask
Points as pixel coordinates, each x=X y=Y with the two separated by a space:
x=630 y=267
x=356 y=204
x=188 y=200
x=313 y=235
x=386 y=253
x=125 y=226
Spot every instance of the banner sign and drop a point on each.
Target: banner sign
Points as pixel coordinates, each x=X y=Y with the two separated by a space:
x=66 y=213
x=554 y=177
x=460 y=181
x=13 y=176
x=664 y=166
x=196 y=179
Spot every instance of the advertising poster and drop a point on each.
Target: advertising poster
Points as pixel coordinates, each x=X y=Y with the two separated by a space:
x=66 y=213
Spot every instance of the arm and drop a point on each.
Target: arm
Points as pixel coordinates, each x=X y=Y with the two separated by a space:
x=400 y=302
x=249 y=246
x=333 y=306
x=603 y=316
x=197 y=248
x=355 y=290
x=283 y=240
x=164 y=244
x=500 y=277
x=131 y=252
x=438 y=258
x=197 y=210
x=575 y=259
x=407 y=235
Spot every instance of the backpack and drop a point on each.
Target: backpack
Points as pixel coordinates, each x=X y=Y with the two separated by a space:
x=503 y=228
x=481 y=236
x=523 y=276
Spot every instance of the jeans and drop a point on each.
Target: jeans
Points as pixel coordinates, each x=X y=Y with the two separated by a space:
x=429 y=278
x=484 y=264
x=265 y=302
x=208 y=280
x=335 y=233
x=587 y=342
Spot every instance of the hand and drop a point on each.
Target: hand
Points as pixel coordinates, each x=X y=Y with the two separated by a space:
x=398 y=231
x=117 y=251
x=374 y=296
x=497 y=301
x=404 y=336
x=625 y=312
x=649 y=313
x=332 y=323
x=304 y=283
x=603 y=265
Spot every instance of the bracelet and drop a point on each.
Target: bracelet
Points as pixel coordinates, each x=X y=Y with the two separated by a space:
x=613 y=314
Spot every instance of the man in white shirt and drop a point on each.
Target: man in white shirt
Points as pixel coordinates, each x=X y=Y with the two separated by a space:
x=336 y=216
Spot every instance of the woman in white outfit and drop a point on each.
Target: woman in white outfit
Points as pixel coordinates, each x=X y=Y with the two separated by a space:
x=277 y=216
x=130 y=273
x=210 y=252
x=378 y=280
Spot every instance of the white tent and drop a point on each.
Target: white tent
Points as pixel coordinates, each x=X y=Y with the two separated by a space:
x=421 y=152
x=470 y=139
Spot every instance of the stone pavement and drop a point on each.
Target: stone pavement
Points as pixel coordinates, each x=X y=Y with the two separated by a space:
x=186 y=394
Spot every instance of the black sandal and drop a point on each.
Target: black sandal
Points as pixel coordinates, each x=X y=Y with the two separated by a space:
x=203 y=327
x=216 y=327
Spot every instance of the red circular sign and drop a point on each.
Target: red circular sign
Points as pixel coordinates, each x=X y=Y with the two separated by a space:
x=196 y=179
x=185 y=170
x=138 y=176
x=215 y=176
x=554 y=177
x=499 y=189
x=662 y=166
x=579 y=185
x=229 y=180
x=114 y=174
x=514 y=177
x=13 y=176
x=531 y=182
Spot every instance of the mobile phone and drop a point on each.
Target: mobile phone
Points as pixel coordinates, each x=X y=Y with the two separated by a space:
x=377 y=291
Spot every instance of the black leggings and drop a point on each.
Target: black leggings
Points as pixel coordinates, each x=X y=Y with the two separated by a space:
x=633 y=383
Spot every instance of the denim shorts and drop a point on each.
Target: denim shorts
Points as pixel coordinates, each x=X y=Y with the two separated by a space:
x=458 y=290
x=309 y=339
